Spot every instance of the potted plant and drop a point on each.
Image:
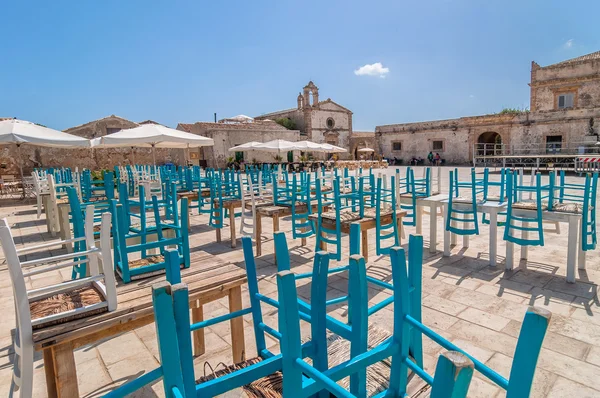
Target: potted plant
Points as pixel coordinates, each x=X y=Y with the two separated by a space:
x=278 y=158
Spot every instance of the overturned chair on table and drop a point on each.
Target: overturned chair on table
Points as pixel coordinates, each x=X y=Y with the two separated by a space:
x=307 y=367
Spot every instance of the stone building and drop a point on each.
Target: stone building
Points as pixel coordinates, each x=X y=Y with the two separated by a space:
x=564 y=114
x=94 y=159
x=230 y=134
x=318 y=121
x=359 y=140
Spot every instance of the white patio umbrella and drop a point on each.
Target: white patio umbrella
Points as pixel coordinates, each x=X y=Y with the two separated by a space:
x=333 y=149
x=248 y=146
x=21 y=132
x=152 y=136
x=366 y=150
x=276 y=146
x=309 y=146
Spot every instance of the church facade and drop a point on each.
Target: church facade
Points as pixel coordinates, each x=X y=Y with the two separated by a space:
x=318 y=121
x=564 y=116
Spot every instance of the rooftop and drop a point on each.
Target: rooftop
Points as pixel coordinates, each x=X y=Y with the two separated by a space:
x=587 y=57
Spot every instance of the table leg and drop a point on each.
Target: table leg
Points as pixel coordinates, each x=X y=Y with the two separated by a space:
x=50 y=373
x=258 y=234
x=432 y=227
x=232 y=226
x=365 y=245
x=323 y=245
x=218 y=230
x=65 y=226
x=510 y=254
x=493 y=237
x=65 y=372
x=198 y=335
x=572 y=248
x=237 y=325
x=525 y=236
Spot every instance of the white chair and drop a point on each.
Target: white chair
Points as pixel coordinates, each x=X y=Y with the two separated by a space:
x=40 y=187
x=98 y=291
x=54 y=199
x=248 y=216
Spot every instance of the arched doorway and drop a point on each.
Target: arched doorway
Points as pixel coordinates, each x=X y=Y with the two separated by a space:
x=489 y=143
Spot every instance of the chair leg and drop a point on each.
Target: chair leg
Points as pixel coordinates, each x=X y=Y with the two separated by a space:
x=25 y=363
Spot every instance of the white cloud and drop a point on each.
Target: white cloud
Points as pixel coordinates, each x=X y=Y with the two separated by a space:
x=375 y=69
x=568 y=43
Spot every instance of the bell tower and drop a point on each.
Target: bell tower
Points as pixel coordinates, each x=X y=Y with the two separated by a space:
x=311 y=96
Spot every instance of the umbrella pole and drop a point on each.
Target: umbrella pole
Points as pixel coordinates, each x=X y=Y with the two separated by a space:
x=20 y=163
x=132 y=157
x=153 y=156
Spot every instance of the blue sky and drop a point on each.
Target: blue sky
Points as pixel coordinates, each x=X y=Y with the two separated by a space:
x=69 y=62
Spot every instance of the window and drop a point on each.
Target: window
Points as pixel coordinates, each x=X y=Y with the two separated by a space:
x=565 y=100
x=437 y=145
x=330 y=123
x=396 y=146
x=553 y=143
x=112 y=130
x=239 y=157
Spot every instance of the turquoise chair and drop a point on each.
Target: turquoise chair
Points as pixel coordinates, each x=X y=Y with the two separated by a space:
x=333 y=236
x=301 y=207
x=97 y=190
x=148 y=265
x=385 y=205
x=407 y=196
x=465 y=207
x=451 y=378
x=500 y=197
x=579 y=198
x=516 y=221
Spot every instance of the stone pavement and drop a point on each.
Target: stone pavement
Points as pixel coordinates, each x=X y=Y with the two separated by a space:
x=477 y=307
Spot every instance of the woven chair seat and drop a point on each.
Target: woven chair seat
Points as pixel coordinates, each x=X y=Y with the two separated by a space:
x=345 y=216
x=263 y=202
x=338 y=350
x=67 y=301
x=142 y=262
x=574 y=208
x=372 y=212
x=528 y=206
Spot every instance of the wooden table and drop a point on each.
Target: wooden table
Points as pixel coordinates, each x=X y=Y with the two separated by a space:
x=208 y=279
x=366 y=224
x=230 y=205
x=274 y=212
x=193 y=195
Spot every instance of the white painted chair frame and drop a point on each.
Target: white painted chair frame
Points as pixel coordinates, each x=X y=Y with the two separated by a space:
x=104 y=282
x=248 y=216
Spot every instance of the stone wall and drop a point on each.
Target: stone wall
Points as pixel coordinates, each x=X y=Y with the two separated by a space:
x=522 y=132
x=33 y=156
x=581 y=78
x=226 y=136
